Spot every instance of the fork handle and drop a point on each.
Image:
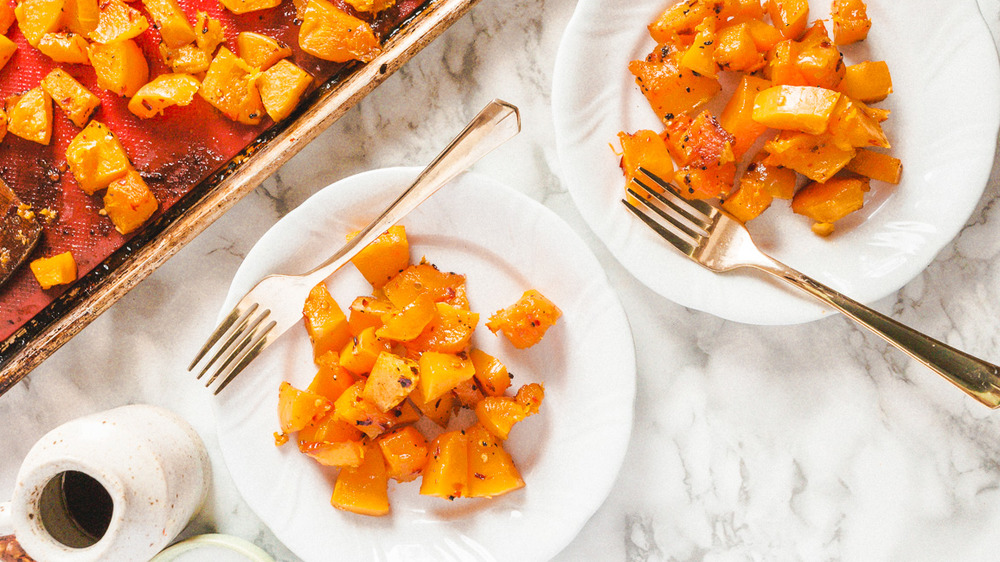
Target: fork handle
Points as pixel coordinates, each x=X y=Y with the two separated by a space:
x=497 y=123
x=976 y=377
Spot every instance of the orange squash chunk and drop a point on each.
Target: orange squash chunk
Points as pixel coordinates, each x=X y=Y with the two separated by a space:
x=647 y=149
x=281 y=87
x=260 y=51
x=331 y=379
x=35 y=18
x=531 y=395
x=363 y=489
x=800 y=108
x=829 y=202
x=491 y=469
x=525 y=322
x=852 y=127
x=334 y=35
x=736 y=49
x=81 y=16
x=498 y=414
x=7 y=17
x=188 y=59
x=765 y=36
x=789 y=16
x=748 y=201
x=850 y=21
x=675 y=135
x=700 y=56
x=876 y=166
x=362 y=350
x=64 y=47
x=332 y=442
x=231 y=87
x=59 y=269
x=117 y=22
x=296 y=408
x=682 y=18
x=737 y=117
x=129 y=202
x=468 y=392
x=441 y=372
x=366 y=312
x=385 y=257
x=162 y=92
x=868 y=81
x=710 y=169
x=29 y=115
x=352 y=408
x=96 y=158
x=490 y=372
x=391 y=380
x=171 y=22
x=325 y=321
x=121 y=67
x=405 y=451
x=670 y=89
x=777 y=181
x=7 y=49
x=819 y=61
x=782 y=64
x=208 y=33
x=448 y=332
x=446 y=473
x=426 y=279
x=740 y=11
x=438 y=410
x=409 y=322
x=815 y=156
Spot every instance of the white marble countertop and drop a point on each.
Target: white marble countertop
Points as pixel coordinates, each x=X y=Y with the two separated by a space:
x=803 y=442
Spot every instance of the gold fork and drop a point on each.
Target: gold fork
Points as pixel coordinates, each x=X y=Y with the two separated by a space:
x=714 y=239
x=275 y=304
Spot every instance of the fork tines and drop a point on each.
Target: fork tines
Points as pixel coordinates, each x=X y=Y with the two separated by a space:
x=243 y=338
x=684 y=222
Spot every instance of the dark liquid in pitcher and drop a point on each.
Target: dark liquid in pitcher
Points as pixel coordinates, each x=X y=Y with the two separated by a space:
x=87 y=502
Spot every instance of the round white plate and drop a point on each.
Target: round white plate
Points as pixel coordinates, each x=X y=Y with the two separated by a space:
x=569 y=454
x=944 y=122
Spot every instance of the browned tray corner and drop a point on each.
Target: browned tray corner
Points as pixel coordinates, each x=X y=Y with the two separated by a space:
x=99 y=289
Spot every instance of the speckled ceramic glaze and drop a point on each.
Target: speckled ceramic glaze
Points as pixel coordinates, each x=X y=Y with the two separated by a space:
x=150 y=461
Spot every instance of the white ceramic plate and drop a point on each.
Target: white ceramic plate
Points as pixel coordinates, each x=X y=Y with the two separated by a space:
x=569 y=454
x=944 y=123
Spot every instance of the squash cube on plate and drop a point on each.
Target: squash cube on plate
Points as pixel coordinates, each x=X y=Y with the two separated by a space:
x=491 y=468
x=363 y=489
x=441 y=372
x=450 y=331
x=446 y=474
x=647 y=149
x=329 y=33
x=209 y=33
x=96 y=158
x=121 y=67
x=331 y=379
x=829 y=202
x=281 y=88
x=3 y=124
x=29 y=115
x=490 y=372
x=850 y=21
x=188 y=59
x=789 y=16
x=408 y=323
x=361 y=351
x=297 y=408
x=424 y=278
x=260 y=51
x=129 y=202
x=876 y=166
x=366 y=312
x=438 y=410
x=498 y=414
x=817 y=157
x=352 y=408
x=405 y=451
x=171 y=21
x=162 y=92
x=525 y=322
x=391 y=380
x=56 y=270
x=72 y=97
x=231 y=86
x=81 y=16
x=800 y=108
x=35 y=18
x=867 y=81
x=117 y=22
x=325 y=321
x=737 y=117
x=65 y=47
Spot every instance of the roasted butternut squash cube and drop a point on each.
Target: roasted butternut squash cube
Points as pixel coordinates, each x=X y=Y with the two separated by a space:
x=209 y=33
x=231 y=86
x=281 y=87
x=446 y=473
x=332 y=442
x=261 y=51
x=352 y=408
x=325 y=321
x=736 y=50
x=876 y=166
x=531 y=395
x=748 y=201
x=498 y=414
x=441 y=372
x=162 y=92
x=29 y=115
x=296 y=408
x=81 y=16
x=35 y=18
x=448 y=332
x=366 y=312
x=490 y=372
x=852 y=127
x=7 y=49
x=7 y=17
x=829 y=202
x=783 y=65
x=819 y=61
x=777 y=181
x=384 y=258
x=491 y=469
x=129 y=202
x=331 y=379
x=59 y=269
x=361 y=352
x=408 y=323
x=850 y=21
x=710 y=169
x=765 y=36
x=363 y=489
x=117 y=22
x=424 y=279
x=64 y=47
x=329 y=33
x=800 y=108
x=682 y=18
x=468 y=393
x=244 y=6
x=405 y=451
x=789 y=16
x=670 y=89
x=391 y=380
x=171 y=22
x=438 y=411
x=700 y=56
x=96 y=158
x=647 y=149
x=525 y=322
x=816 y=157
x=737 y=117
x=868 y=81
x=121 y=67
x=188 y=59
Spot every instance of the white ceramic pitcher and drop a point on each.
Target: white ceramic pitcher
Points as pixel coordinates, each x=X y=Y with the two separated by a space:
x=116 y=485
